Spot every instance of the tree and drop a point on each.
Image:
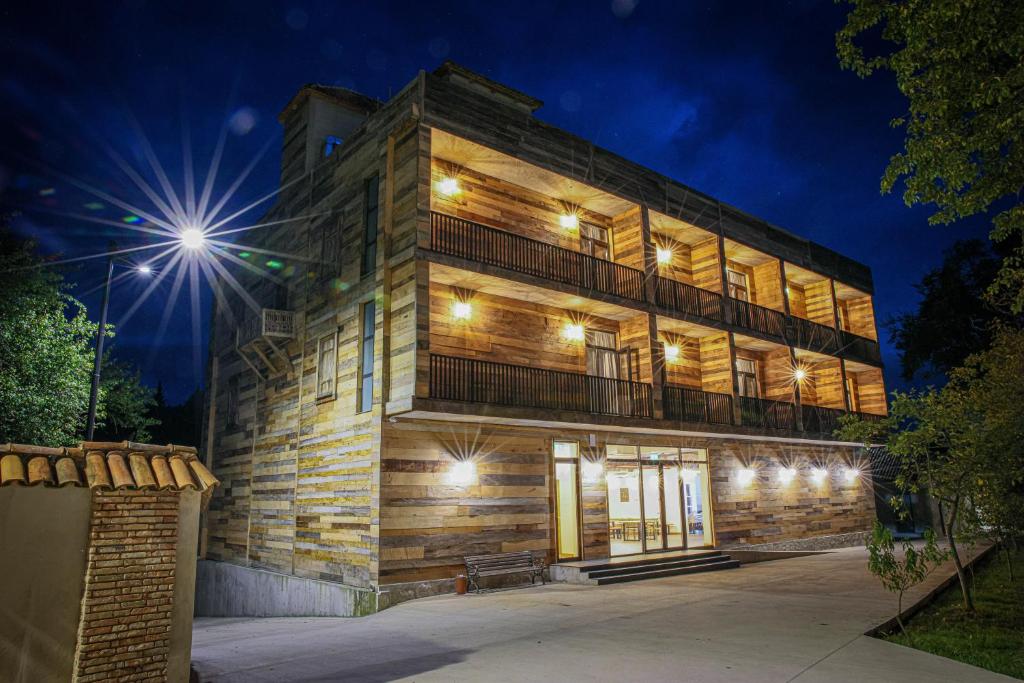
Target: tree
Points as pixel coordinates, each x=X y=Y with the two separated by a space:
x=46 y=358
x=960 y=64
x=899 y=575
x=952 y=319
x=45 y=352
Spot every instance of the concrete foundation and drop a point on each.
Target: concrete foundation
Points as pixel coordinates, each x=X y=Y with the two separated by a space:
x=830 y=542
x=228 y=590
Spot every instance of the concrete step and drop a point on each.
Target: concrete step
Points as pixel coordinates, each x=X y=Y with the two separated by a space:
x=654 y=558
x=664 y=563
x=710 y=566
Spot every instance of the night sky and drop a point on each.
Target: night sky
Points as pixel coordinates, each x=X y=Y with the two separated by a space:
x=744 y=101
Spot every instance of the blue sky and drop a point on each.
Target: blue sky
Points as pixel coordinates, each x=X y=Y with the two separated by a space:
x=743 y=101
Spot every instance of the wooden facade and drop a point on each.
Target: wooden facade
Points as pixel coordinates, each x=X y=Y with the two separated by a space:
x=339 y=468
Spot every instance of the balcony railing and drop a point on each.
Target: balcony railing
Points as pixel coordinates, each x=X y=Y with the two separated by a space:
x=768 y=414
x=269 y=323
x=478 y=381
x=684 y=298
x=483 y=244
x=860 y=348
x=813 y=336
x=753 y=317
x=820 y=419
x=694 y=405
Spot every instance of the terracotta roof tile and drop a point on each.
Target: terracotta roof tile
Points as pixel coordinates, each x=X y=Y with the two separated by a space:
x=104 y=466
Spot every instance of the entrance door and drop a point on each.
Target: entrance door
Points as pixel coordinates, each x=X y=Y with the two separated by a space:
x=663 y=502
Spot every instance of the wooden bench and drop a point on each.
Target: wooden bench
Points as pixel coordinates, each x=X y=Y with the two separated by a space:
x=522 y=562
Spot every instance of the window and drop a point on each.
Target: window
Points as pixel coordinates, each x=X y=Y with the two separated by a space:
x=602 y=354
x=844 y=315
x=851 y=391
x=330 y=250
x=594 y=241
x=330 y=143
x=326 y=362
x=369 y=263
x=738 y=288
x=366 y=358
x=232 y=412
x=746 y=373
x=567 y=499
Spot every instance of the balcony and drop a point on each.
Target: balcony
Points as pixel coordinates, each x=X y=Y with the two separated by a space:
x=860 y=348
x=259 y=339
x=821 y=420
x=766 y=413
x=767 y=321
x=486 y=382
x=693 y=405
x=482 y=244
x=813 y=336
x=683 y=298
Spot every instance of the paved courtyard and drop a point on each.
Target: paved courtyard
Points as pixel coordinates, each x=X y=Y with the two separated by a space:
x=799 y=619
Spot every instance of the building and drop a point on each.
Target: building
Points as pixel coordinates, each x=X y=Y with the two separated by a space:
x=474 y=332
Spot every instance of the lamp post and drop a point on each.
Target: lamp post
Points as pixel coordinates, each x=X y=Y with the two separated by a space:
x=97 y=363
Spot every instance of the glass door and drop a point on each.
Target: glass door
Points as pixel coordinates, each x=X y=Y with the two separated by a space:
x=696 y=495
x=567 y=526
x=663 y=510
x=625 y=505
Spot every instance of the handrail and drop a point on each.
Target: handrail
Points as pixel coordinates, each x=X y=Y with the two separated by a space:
x=480 y=381
x=686 y=298
x=764 y=320
x=695 y=405
x=484 y=244
x=764 y=412
x=813 y=336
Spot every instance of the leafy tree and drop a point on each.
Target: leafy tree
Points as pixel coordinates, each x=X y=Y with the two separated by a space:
x=960 y=64
x=899 y=575
x=45 y=352
x=46 y=358
x=952 y=320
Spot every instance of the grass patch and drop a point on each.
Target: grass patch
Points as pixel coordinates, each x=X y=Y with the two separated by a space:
x=991 y=638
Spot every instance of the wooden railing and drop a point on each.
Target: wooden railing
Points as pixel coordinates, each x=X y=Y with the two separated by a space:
x=820 y=419
x=763 y=412
x=694 y=405
x=753 y=317
x=860 y=348
x=483 y=244
x=812 y=336
x=479 y=381
x=684 y=298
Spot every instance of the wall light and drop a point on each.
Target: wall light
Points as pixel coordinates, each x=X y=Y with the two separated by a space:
x=851 y=474
x=462 y=473
x=818 y=475
x=191 y=238
x=787 y=474
x=144 y=269
x=664 y=256
x=745 y=476
x=462 y=310
x=574 y=332
x=593 y=471
x=800 y=374
x=448 y=186
x=671 y=352
x=569 y=221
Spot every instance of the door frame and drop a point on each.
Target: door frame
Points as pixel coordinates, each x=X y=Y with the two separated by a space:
x=556 y=529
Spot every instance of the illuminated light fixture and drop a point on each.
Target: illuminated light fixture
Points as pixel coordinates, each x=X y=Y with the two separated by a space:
x=144 y=269
x=799 y=374
x=462 y=472
x=787 y=291
x=818 y=475
x=462 y=310
x=851 y=474
x=787 y=474
x=671 y=352
x=664 y=256
x=746 y=476
x=592 y=472
x=192 y=238
x=573 y=332
x=448 y=186
x=569 y=221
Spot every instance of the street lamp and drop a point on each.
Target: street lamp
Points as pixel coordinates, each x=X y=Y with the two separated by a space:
x=97 y=363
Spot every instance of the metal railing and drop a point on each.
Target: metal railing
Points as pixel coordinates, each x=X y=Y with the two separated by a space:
x=812 y=336
x=753 y=317
x=269 y=323
x=861 y=348
x=483 y=244
x=684 y=298
x=820 y=419
x=766 y=413
x=479 y=381
x=694 y=405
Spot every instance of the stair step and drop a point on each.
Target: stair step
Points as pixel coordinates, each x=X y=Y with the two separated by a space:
x=653 y=559
x=667 y=563
x=656 y=574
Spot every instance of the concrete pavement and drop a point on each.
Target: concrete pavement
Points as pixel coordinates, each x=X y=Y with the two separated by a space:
x=797 y=619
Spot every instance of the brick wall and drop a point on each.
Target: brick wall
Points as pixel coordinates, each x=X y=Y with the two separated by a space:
x=125 y=626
